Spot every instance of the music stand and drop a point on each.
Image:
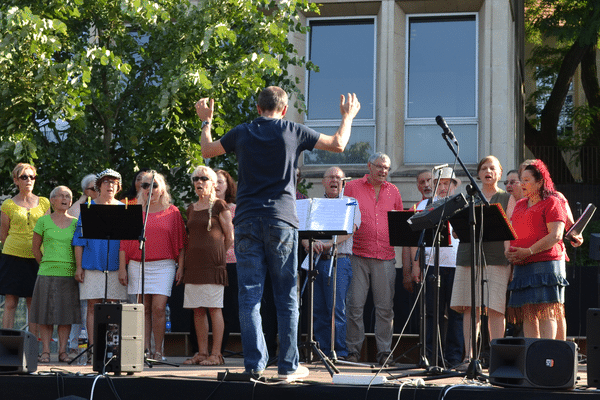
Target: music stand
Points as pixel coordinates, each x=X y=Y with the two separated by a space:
x=110 y=222
x=321 y=219
x=402 y=234
x=468 y=224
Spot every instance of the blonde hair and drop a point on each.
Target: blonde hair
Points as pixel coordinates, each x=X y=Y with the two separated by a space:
x=22 y=167
x=159 y=179
x=212 y=176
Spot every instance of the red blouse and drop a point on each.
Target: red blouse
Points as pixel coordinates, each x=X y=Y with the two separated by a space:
x=165 y=237
x=530 y=225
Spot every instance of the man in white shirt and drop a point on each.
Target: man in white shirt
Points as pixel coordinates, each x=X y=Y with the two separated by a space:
x=452 y=344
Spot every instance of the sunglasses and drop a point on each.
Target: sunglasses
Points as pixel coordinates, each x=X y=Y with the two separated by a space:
x=146 y=185
x=506 y=183
x=200 y=178
x=26 y=177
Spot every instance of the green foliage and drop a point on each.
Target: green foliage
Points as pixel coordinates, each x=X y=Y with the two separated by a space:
x=111 y=83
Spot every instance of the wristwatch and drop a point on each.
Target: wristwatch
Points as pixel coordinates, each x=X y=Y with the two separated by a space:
x=204 y=123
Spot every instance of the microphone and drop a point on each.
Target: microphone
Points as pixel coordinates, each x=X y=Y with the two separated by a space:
x=440 y=121
x=348 y=178
x=440 y=167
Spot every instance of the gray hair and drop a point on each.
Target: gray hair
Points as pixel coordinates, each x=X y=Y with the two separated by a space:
x=87 y=180
x=377 y=156
x=56 y=189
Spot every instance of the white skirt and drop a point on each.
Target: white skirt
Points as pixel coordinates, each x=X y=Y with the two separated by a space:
x=206 y=295
x=93 y=286
x=158 y=277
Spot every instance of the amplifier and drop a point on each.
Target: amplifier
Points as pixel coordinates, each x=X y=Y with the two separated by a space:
x=118 y=338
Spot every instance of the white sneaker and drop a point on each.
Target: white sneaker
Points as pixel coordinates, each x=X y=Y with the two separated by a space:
x=301 y=372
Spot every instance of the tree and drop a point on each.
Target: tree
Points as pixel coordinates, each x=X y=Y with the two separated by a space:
x=565 y=37
x=90 y=84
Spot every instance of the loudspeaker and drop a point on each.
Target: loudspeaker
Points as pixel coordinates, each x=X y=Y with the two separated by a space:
x=18 y=351
x=595 y=246
x=118 y=338
x=534 y=363
x=593 y=347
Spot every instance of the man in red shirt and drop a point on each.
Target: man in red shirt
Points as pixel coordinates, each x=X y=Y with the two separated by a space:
x=373 y=259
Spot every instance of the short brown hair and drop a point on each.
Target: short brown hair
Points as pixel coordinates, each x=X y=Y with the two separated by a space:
x=272 y=98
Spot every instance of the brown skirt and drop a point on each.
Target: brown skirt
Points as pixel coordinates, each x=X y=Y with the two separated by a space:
x=55 y=301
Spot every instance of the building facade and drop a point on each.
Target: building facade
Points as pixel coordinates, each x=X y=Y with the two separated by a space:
x=409 y=61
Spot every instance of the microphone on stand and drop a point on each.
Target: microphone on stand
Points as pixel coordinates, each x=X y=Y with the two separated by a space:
x=447 y=132
x=440 y=167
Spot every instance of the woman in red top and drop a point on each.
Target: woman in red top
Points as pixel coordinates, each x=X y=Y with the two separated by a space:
x=537 y=288
x=165 y=243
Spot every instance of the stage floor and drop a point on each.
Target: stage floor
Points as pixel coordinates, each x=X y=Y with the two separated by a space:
x=55 y=380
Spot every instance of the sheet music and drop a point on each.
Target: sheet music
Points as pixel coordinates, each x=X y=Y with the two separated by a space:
x=326 y=214
x=582 y=222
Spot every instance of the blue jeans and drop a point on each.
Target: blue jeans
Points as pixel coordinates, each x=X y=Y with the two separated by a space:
x=323 y=300
x=267 y=244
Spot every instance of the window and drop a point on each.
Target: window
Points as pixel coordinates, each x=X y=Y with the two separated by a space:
x=344 y=51
x=441 y=80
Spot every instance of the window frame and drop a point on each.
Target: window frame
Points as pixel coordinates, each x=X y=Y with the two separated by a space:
x=450 y=120
x=318 y=124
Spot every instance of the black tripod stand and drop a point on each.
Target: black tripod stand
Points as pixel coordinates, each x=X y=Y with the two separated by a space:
x=142 y=239
x=110 y=223
x=321 y=219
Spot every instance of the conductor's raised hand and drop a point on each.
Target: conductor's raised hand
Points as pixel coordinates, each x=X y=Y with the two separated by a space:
x=205 y=109
x=351 y=107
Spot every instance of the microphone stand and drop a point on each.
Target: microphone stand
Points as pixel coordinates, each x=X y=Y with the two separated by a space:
x=474 y=369
x=148 y=361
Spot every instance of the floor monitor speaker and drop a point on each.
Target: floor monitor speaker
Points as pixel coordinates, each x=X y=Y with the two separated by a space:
x=593 y=347
x=18 y=351
x=533 y=363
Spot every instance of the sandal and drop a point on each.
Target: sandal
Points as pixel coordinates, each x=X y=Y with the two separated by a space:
x=64 y=357
x=213 y=359
x=157 y=356
x=196 y=360
x=44 y=358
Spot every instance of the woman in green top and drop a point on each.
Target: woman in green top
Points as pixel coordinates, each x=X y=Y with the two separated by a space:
x=56 y=292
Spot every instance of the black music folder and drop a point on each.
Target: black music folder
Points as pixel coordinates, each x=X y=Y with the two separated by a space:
x=401 y=234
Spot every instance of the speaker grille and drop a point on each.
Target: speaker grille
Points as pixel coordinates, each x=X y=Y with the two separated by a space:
x=550 y=363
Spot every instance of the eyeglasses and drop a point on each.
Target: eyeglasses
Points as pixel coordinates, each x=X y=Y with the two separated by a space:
x=146 y=185
x=511 y=182
x=93 y=189
x=200 y=178
x=336 y=177
x=107 y=182
x=27 y=177
x=381 y=167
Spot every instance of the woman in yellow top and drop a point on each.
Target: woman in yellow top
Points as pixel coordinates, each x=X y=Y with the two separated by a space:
x=18 y=267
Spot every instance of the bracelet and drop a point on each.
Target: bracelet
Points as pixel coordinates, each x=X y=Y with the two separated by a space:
x=530 y=251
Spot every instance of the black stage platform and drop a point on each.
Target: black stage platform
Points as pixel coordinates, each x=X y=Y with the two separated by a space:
x=53 y=381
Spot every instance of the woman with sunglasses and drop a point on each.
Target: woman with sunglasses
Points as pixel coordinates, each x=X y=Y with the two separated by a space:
x=18 y=267
x=165 y=242
x=205 y=275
